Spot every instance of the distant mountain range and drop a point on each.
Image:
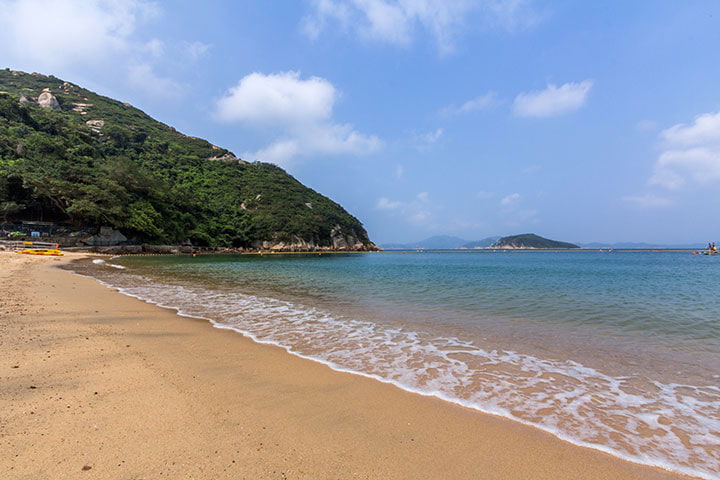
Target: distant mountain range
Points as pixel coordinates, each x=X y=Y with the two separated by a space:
x=447 y=242
x=438 y=242
x=484 y=243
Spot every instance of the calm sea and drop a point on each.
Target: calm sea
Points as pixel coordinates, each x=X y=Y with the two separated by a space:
x=616 y=351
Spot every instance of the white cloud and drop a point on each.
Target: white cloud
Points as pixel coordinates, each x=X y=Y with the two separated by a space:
x=51 y=34
x=417 y=210
x=280 y=152
x=691 y=153
x=553 y=100
x=338 y=138
x=674 y=168
x=399 y=171
x=154 y=47
x=511 y=199
x=426 y=140
x=278 y=98
x=195 y=50
x=648 y=201
x=387 y=204
x=432 y=137
x=483 y=102
x=143 y=76
x=92 y=40
x=513 y=15
x=420 y=217
x=705 y=130
x=299 y=109
x=396 y=21
x=513 y=213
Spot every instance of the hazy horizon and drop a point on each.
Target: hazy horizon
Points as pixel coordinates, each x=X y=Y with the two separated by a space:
x=576 y=121
x=466 y=240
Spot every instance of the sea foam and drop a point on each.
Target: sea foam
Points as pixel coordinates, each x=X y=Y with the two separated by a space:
x=668 y=425
x=98 y=261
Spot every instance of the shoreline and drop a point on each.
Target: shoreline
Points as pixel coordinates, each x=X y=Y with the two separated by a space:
x=276 y=415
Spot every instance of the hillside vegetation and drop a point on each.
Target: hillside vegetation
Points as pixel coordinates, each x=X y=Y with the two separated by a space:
x=530 y=240
x=73 y=157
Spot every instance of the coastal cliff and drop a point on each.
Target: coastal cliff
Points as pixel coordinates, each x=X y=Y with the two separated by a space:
x=69 y=156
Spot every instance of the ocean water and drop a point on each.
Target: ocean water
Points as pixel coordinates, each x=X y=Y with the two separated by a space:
x=614 y=351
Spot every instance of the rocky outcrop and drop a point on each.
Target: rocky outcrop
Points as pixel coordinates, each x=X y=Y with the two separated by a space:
x=120 y=250
x=344 y=241
x=48 y=100
x=95 y=125
x=339 y=242
x=228 y=158
x=106 y=236
x=24 y=100
x=81 y=107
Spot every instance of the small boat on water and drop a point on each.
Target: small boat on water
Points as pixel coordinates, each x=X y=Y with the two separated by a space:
x=710 y=250
x=42 y=251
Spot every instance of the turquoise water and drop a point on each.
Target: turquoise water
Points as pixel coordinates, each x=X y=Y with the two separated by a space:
x=617 y=351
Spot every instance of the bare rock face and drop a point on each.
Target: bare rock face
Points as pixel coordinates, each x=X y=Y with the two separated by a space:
x=24 y=100
x=227 y=158
x=48 y=100
x=95 y=125
x=339 y=242
x=107 y=236
x=345 y=241
x=81 y=107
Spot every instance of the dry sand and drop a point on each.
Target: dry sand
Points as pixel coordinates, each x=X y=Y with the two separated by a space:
x=95 y=384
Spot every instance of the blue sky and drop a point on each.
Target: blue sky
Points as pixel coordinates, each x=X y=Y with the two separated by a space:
x=581 y=121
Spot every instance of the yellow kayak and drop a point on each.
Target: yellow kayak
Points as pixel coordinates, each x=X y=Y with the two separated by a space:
x=42 y=251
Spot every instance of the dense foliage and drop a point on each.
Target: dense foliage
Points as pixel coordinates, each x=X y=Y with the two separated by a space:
x=142 y=177
x=530 y=240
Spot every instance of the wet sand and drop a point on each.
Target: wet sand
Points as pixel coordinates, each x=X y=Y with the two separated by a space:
x=95 y=384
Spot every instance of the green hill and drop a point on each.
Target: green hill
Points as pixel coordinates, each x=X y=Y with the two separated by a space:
x=70 y=156
x=530 y=240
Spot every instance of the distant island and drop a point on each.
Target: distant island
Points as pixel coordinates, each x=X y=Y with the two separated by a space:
x=530 y=240
x=446 y=242
x=85 y=166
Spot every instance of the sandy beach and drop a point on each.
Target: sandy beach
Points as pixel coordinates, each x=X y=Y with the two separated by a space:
x=96 y=384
